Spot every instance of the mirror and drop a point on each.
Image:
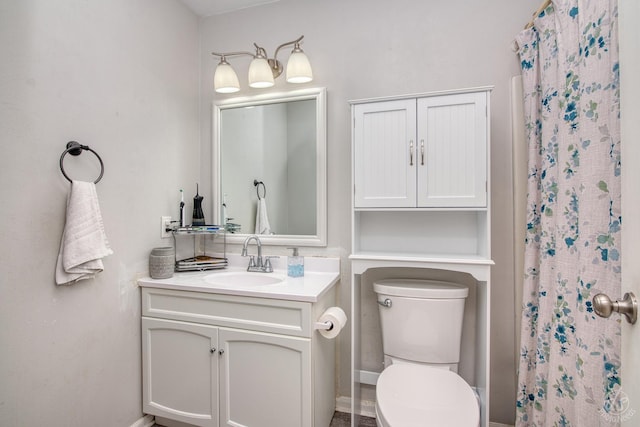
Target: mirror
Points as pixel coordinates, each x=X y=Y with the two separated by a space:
x=270 y=161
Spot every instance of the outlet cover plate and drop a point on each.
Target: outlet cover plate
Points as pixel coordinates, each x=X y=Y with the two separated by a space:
x=165 y=223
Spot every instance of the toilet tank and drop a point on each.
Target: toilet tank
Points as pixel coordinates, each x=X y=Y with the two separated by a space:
x=424 y=320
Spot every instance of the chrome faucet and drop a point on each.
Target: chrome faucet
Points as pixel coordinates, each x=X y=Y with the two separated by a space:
x=257 y=263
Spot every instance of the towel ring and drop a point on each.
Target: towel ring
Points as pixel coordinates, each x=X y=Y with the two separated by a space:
x=257 y=184
x=75 y=149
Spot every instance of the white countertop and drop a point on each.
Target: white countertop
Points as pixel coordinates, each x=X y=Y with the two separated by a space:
x=320 y=274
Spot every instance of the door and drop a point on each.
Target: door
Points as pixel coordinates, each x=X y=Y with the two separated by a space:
x=265 y=380
x=452 y=150
x=385 y=154
x=629 y=16
x=180 y=371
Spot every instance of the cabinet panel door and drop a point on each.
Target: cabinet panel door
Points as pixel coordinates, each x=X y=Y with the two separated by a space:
x=452 y=154
x=180 y=371
x=265 y=380
x=384 y=157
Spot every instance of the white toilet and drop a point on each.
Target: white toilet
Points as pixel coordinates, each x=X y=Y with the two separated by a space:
x=421 y=330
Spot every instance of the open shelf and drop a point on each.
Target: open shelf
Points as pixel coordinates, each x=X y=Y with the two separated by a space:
x=425 y=234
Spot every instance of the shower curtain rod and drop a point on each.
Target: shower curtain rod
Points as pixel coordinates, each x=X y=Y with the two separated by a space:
x=537 y=12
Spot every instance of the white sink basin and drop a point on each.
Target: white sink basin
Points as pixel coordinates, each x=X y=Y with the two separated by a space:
x=243 y=278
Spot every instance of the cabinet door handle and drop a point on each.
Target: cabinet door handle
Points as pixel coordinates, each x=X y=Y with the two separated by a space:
x=213 y=350
x=221 y=351
x=422 y=152
x=411 y=153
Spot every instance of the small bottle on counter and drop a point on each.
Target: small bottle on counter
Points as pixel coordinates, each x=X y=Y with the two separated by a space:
x=295 y=264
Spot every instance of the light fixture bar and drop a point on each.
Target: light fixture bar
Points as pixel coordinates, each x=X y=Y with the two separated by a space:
x=263 y=70
x=231 y=54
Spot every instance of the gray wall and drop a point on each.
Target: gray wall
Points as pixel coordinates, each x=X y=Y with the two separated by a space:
x=301 y=167
x=370 y=48
x=246 y=155
x=122 y=77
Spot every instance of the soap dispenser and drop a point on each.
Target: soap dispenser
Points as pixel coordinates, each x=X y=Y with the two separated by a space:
x=295 y=264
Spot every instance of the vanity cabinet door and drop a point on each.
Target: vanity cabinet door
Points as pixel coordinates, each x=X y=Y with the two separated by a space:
x=452 y=151
x=180 y=371
x=385 y=154
x=265 y=380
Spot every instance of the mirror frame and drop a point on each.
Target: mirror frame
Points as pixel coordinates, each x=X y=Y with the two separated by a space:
x=319 y=95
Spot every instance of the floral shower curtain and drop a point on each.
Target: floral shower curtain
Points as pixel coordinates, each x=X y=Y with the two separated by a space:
x=569 y=357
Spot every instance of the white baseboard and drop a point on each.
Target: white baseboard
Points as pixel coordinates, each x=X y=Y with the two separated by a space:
x=367 y=377
x=343 y=404
x=367 y=407
x=146 y=421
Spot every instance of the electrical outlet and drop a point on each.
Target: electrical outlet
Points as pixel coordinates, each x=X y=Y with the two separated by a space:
x=165 y=223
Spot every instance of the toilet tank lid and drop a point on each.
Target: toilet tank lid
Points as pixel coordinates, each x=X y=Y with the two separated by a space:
x=419 y=288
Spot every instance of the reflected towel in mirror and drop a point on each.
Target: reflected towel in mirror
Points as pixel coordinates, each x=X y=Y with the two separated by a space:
x=262 y=220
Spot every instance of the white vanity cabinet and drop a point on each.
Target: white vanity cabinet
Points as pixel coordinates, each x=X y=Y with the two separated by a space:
x=421 y=207
x=224 y=360
x=421 y=152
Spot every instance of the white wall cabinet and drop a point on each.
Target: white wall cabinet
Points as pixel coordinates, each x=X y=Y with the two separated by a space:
x=423 y=152
x=421 y=201
x=217 y=360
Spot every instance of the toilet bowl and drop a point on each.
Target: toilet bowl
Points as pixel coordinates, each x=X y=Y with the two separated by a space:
x=418 y=396
x=421 y=331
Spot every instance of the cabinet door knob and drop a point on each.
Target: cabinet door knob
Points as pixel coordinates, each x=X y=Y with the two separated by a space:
x=213 y=350
x=221 y=352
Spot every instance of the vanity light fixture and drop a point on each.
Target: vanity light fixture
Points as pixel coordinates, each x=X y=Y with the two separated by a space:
x=263 y=70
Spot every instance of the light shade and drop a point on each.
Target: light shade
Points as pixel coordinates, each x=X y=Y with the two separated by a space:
x=298 y=67
x=225 y=79
x=260 y=74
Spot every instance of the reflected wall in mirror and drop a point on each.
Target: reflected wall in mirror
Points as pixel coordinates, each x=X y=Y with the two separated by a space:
x=278 y=141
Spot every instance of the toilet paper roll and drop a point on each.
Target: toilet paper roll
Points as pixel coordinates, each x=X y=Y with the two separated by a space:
x=336 y=317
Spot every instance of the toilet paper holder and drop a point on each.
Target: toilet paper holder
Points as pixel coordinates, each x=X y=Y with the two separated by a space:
x=330 y=322
x=327 y=326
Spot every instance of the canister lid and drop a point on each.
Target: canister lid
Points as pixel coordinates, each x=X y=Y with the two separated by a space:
x=418 y=288
x=168 y=250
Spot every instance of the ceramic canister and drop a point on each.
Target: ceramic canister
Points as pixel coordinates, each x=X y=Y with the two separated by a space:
x=161 y=263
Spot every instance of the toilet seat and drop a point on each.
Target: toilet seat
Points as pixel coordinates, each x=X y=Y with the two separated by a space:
x=419 y=396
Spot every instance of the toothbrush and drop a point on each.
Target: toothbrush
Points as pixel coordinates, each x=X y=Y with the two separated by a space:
x=182 y=220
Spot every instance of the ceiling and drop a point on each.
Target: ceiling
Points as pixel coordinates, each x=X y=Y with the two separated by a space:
x=217 y=7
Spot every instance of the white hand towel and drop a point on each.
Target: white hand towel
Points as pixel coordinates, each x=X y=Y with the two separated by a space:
x=84 y=242
x=262 y=220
